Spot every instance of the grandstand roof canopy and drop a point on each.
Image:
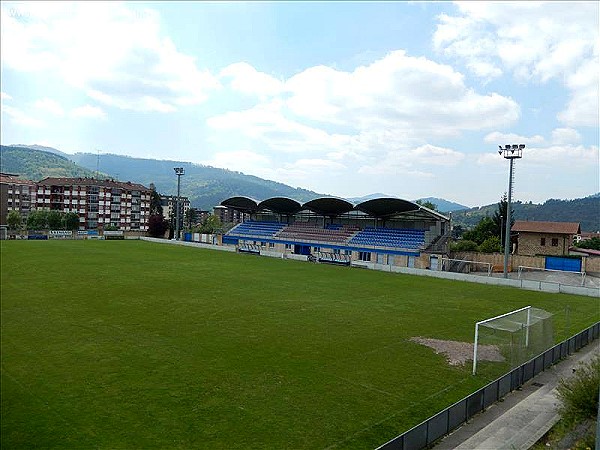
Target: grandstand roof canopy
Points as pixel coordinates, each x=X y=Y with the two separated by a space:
x=385 y=207
x=244 y=204
x=329 y=206
x=280 y=205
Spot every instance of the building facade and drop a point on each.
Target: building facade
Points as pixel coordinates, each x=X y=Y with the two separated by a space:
x=169 y=206
x=230 y=215
x=16 y=194
x=99 y=203
x=545 y=238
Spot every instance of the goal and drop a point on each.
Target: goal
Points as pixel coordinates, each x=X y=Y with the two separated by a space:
x=517 y=335
x=466 y=266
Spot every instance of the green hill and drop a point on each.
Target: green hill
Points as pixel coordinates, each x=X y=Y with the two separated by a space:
x=37 y=164
x=205 y=186
x=586 y=211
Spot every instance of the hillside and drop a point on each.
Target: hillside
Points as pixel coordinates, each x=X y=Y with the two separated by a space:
x=204 y=185
x=586 y=211
x=38 y=164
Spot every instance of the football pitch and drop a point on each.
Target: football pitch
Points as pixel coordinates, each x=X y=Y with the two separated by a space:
x=136 y=345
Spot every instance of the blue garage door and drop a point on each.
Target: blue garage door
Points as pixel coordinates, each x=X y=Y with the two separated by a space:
x=566 y=264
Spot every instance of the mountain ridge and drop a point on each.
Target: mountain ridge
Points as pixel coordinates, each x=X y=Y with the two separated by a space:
x=207 y=186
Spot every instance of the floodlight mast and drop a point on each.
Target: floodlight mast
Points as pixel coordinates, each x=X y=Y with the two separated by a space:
x=179 y=171
x=510 y=152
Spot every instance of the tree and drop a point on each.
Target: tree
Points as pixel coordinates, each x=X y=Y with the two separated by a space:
x=592 y=244
x=55 y=220
x=157 y=226
x=190 y=218
x=71 y=221
x=211 y=225
x=427 y=204
x=37 y=220
x=464 y=246
x=490 y=245
x=156 y=208
x=486 y=228
x=500 y=217
x=14 y=220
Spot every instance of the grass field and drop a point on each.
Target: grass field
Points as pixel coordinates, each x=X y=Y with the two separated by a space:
x=130 y=344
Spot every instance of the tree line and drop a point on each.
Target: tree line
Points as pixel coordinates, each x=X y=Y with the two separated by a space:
x=43 y=220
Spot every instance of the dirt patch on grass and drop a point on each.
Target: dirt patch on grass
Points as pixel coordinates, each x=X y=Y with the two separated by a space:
x=457 y=353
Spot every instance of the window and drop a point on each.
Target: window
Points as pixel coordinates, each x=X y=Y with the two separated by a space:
x=271 y=245
x=288 y=246
x=543 y=242
x=316 y=249
x=554 y=242
x=364 y=256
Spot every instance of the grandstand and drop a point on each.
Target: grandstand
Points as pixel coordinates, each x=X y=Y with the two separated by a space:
x=382 y=230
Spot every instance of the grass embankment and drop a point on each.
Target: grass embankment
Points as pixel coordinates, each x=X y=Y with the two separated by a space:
x=129 y=344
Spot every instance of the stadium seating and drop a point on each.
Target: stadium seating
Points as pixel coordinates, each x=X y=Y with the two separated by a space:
x=389 y=237
x=258 y=229
x=335 y=233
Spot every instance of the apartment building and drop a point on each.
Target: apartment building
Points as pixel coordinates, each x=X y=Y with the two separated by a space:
x=99 y=203
x=169 y=205
x=229 y=215
x=16 y=194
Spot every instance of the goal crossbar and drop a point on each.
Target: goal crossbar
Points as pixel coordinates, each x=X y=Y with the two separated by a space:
x=481 y=322
x=482 y=263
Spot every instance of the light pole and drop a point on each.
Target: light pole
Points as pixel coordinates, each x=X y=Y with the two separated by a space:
x=510 y=152
x=501 y=230
x=179 y=172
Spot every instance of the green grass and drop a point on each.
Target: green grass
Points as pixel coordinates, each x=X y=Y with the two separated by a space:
x=129 y=344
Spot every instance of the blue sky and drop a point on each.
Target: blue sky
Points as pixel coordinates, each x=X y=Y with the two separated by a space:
x=410 y=99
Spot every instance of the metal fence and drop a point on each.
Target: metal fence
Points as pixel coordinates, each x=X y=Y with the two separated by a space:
x=437 y=426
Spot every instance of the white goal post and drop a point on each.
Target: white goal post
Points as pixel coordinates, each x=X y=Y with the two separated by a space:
x=465 y=266
x=518 y=335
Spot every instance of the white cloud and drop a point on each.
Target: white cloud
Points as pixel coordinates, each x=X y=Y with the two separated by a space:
x=536 y=41
x=565 y=136
x=134 y=66
x=397 y=91
x=5 y=96
x=50 y=106
x=88 y=111
x=499 y=138
x=396 y=102
x=240 y=160
x=246 y=79
x=18 y=117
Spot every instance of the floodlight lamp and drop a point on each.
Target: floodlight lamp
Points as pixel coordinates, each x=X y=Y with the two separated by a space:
x=515 y=147
x=507 y=147
x=521 y=146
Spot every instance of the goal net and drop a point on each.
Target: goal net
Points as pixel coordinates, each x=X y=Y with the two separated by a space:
x=466 y=266
x=516 y=336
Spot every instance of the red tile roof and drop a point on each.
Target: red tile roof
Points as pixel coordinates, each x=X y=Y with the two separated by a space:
x=11 y=178
x=51 y=181
x=546 y=227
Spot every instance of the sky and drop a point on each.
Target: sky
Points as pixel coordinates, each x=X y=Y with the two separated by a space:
x=408 y=99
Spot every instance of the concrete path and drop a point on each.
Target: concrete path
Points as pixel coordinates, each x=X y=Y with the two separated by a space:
x=523 y=417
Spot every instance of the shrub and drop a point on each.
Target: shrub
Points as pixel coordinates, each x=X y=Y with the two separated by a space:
x=579 y=393
x=464 y=245
x=490 y=245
